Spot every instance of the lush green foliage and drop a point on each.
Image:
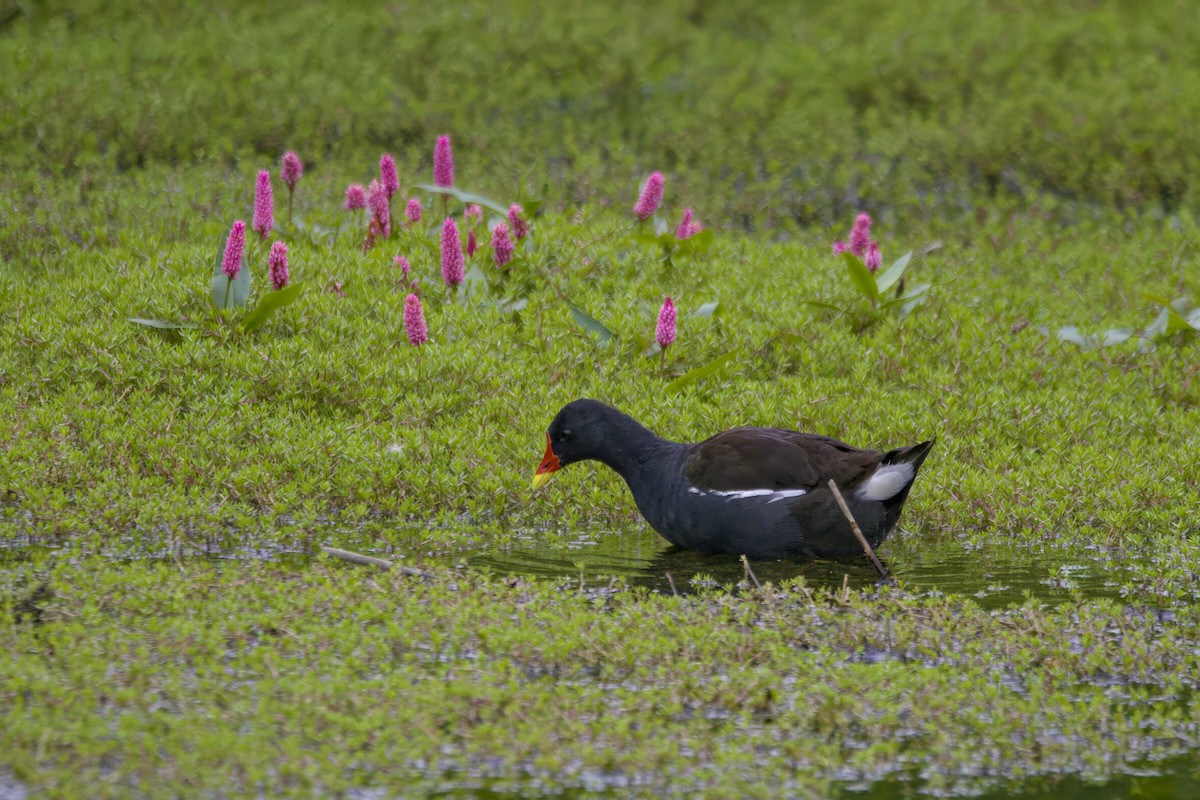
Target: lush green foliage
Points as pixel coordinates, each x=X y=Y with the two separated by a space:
x=1017 y=143
x=192 y=679
x=326 y=408
x=776 y=110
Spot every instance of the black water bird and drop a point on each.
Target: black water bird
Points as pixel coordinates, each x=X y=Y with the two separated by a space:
x=758 y=492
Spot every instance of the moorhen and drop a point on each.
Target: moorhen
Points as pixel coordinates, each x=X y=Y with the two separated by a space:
x=758 y=492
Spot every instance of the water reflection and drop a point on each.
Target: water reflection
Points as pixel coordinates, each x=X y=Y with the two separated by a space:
x=994 y=576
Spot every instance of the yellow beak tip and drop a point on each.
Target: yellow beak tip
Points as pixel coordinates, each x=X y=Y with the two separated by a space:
x=541 y=479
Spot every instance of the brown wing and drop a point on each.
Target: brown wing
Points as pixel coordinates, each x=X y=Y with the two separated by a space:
x=770 y=458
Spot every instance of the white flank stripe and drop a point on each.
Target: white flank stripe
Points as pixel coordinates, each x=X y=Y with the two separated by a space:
x=887 y=482
x=744 y=494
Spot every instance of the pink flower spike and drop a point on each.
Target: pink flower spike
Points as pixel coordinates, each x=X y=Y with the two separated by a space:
x=520 y=228
x=688 y=227
x=839 y=247
x=264 y=205
x=231 y=264
x=356 y=197
x=414 y=321
x=651 y=196
x=860 y=235
x=474 y=213
x=388 y=175
x=874 y=259
x=443 y=162
x=452 y=253
x=277 y=265
x=664 y=332
x=377 y=202
x=413 y=210
x=471 y=243
x=293 y=168
x=502 y=245
x=402 y=263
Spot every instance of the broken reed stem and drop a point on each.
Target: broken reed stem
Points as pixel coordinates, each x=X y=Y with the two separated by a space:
x=369 y=561
x=750 y=573
x=671 y=581
x=858 y=534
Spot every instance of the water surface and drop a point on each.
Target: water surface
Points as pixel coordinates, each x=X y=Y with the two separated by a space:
x=996 y=576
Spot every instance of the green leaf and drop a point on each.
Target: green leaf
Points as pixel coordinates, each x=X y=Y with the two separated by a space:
x=697 y=243
x=708 y=309
x=861 y=277
x=1158 y=328
x=824 y=305
x=1167 y=324
x=700 y=373
x=1115 y=336
x=1176 y=323
x=162 y=324
x=887 y=279
x=591 y=324
x=1072 y=334
x=474 y=282
x=1157 y=298
x=511 y=305
x=915 y=296
x=466 y=197
x=270 y=303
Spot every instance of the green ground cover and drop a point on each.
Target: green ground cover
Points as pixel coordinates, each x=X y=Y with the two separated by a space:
x=124 y=166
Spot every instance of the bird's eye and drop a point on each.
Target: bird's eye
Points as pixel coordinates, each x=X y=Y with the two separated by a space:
x=564 y=434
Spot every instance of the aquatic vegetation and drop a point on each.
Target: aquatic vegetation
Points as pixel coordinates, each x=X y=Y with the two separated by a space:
x=163 y=489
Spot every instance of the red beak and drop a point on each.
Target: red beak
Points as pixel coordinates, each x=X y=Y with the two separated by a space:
x=548 y=466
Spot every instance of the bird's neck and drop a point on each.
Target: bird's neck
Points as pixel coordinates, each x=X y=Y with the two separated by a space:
x=631 y=448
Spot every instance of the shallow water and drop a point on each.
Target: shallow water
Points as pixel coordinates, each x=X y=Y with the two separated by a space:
x=995 y=576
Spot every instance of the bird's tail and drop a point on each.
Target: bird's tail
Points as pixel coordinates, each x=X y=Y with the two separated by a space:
x=914 y=454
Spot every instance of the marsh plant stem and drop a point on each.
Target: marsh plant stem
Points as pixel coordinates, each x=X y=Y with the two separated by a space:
x=858 y=534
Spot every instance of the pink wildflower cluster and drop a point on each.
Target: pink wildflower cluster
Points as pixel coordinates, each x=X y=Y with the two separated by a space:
x=443 y=162
x=292 y=169
x=264 y=205
x=277 y=265
x=664 y=331
x=356 y=197
x=388 y=175
x=688 y=227
x=414 y=321
x=502 y=245
x=235 y=246
x=377 y=203
x=861 y=244
x=413 y=211
x=650 y=197
x=516 y=219
x=453 y=265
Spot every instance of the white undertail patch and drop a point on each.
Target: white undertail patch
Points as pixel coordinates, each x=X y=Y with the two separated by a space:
x=887 y=482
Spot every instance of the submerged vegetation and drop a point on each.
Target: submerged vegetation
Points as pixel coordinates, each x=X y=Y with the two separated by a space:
x=573 y=202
